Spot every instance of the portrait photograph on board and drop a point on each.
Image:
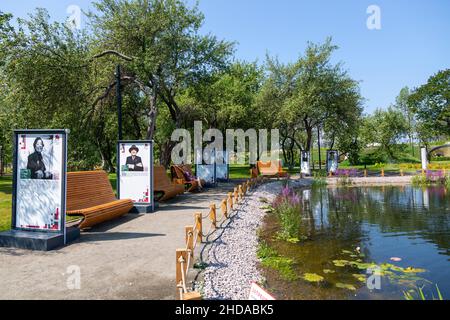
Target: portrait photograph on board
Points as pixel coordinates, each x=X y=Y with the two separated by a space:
x=39 y=167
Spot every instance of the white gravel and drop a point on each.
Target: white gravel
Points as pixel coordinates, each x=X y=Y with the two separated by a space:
x=231 y=259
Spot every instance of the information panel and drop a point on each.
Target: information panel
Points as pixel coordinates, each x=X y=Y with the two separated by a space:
x=222 y=169
x=305 y=167
x=39 y=186
x=207 y=170
x=332 y=161
x=135 y=173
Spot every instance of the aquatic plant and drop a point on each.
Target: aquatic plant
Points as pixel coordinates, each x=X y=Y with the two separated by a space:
x=312 y=277
x=319 y=178
x=270 y=258
x=410 y=294
x=345 y=286
x=431 y=178
x=287 y=207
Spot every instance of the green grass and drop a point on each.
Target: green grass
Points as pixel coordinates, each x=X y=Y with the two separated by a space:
x=5 y=202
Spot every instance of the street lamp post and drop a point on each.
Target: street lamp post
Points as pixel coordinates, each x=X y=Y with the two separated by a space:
x=119 y=101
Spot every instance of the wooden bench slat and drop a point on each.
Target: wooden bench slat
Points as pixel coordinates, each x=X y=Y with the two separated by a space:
x=90 y=194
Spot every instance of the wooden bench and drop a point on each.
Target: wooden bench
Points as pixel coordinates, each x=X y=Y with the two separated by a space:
x=178 y=176
x=164 y=186
x=271 y=169
x=90 y=195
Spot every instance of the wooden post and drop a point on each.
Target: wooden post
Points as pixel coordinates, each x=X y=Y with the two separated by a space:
x=189 y=235
x=224 y=208
x=198 y=224
x=401 y=172
x=382 y=172
x=181 y=256
x=236 y=196
x=240 y=192
x=365 y=173
x=190 y=296
x=212 y=215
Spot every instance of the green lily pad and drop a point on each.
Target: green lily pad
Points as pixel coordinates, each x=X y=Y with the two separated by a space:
x=312 y=277
x=340 y=263
x=359 y=277
x=293 y=240
x=347 y=252
x=346 y=286
x=328 y=271
x=414 y=270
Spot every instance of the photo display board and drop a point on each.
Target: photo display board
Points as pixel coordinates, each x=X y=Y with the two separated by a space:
x=332 y=160
x=135 y=171
x=305 y=167
x=39 y=183
x=207 y=170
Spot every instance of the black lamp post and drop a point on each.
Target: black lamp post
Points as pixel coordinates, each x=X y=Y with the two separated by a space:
x=119 y=101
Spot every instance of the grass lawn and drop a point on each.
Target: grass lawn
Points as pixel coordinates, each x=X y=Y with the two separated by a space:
x=5 y=203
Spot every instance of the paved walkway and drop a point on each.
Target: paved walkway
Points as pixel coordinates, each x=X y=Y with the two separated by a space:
x=132 y=257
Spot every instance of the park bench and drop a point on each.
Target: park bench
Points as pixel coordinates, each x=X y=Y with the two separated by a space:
x=90 y=194
x=179 y=176
x=271 y=169
x=163 y=185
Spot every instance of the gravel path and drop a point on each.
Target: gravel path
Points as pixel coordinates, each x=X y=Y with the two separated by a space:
x=231 y=259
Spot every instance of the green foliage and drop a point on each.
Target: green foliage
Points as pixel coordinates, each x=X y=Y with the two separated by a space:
x=384 y=129
x=419 y=294
x=430 y=102
x=319 y=178
x=271 y=259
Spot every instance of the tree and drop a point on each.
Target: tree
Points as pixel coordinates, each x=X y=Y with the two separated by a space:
x=384 y=129
x=311 y=93
x=401 y=104
x=167 y=52
x=431 y=104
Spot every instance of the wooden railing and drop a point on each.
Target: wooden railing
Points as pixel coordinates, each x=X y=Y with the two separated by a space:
x=195 y=233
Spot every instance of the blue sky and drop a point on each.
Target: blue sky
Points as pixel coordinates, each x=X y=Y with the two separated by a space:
x=413 y=43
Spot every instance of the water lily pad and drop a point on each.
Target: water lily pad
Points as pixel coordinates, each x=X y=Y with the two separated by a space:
x=312 y=277
x=347 y=252
x=328 y=271
x=359 y=277
x=414 y=270
x=293 y=240
x=346 y=286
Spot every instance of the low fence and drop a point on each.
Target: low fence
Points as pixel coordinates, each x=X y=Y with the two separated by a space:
x=381 y=173
x=194 y=234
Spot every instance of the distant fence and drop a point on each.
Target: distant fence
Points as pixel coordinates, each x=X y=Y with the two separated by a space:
x=194 y=234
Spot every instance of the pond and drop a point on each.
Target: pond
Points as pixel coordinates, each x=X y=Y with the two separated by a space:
x=365 y=243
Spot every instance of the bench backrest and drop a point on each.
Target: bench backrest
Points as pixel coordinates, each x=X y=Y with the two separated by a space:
x=87 y=189
x=269 y=166
x=160 y=179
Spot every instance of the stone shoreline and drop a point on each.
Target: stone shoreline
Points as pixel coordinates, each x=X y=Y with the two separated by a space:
x=232 y=264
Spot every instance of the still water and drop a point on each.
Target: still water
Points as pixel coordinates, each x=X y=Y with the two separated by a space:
x=394 y=238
